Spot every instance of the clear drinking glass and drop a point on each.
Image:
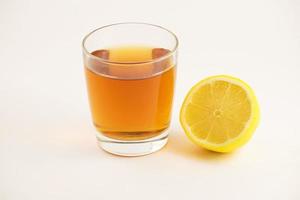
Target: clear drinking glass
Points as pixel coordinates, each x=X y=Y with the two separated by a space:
x=130 y=72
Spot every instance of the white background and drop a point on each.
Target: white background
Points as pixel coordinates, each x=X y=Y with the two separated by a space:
x=47 y=145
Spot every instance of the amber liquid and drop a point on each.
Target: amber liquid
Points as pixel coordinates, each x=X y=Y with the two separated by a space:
x=131 y=101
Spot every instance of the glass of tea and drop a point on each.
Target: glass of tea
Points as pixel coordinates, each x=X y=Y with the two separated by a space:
x=130 y=72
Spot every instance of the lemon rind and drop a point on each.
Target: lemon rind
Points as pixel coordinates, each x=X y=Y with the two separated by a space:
x=232 y=143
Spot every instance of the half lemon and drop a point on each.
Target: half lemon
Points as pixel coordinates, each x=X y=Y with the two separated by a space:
x=220 y=113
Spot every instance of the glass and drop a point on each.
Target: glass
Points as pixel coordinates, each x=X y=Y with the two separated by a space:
x=130 y=72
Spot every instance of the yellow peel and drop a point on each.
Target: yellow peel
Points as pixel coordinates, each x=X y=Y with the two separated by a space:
x=220 y=113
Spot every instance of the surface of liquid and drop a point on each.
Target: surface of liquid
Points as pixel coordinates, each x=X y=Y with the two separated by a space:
x=131 y=101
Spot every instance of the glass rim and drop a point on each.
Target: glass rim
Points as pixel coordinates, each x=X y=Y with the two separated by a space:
x=107 y=61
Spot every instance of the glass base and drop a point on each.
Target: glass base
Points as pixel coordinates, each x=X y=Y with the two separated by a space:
x=132 y=148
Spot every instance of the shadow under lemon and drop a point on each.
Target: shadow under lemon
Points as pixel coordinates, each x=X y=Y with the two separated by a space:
x=179 y=144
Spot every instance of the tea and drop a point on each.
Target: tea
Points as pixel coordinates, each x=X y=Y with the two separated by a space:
x=131 y=91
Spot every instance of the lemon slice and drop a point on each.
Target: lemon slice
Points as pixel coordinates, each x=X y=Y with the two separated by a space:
x=220 y=113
